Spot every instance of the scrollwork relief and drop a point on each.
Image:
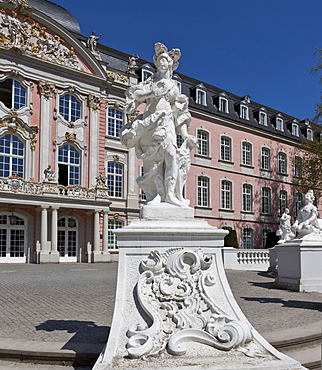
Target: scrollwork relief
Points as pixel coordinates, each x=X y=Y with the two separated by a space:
x=94 y=102
x=48 y=90
x=174 y=292
x=24 y=35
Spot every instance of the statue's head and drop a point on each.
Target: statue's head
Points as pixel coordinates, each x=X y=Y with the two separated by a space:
x=161 y=51
x=309 y=196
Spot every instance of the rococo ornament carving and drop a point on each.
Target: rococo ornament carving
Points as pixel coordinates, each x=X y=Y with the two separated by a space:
x=19 y=5
x=24 y=35
x=174 y=291
x=70 y=137
x=117 y=77
x=94 y=102
x=47 y=89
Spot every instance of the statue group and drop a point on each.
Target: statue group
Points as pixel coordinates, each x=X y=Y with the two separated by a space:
x=306 y=221
x=154 y=132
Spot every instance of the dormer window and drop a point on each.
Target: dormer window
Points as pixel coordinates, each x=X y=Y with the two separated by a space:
x=262 y=118
x=295 y=129
x=223 y=105
x=145 y=72
x=309 y=134
x=201 y=97
x=279 y=124
x=244 y=112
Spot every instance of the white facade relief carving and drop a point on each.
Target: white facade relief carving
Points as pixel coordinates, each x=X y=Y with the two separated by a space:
x=94 y=102
x=48 y=90
x=284 y=231
x=25 y=35
x=175 y=291
x=132 y=65
x=117 y=77
x=19 y=4
x=153 y=133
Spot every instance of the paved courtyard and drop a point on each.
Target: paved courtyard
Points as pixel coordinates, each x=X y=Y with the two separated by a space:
x=74 y=302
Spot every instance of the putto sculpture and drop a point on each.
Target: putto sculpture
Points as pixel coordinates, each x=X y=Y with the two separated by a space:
x=154 y=132
x=284 y=230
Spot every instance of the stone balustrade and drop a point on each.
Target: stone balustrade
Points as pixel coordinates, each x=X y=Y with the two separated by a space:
x=20 y=186
x=246 y=259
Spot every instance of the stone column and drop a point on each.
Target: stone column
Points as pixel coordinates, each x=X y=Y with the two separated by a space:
x=54 y=218
x=99 y=256
x=45 y=252
x=105 y=232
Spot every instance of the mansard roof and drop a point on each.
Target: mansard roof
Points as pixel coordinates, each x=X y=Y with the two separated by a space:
x=58 y=13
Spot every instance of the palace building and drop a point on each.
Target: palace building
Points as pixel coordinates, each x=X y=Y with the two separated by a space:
x=66 y=181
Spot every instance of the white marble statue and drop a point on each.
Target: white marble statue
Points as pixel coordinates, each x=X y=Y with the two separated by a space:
x=284 y=230
x=49 y=174
x=307 y=219
x=153 y=133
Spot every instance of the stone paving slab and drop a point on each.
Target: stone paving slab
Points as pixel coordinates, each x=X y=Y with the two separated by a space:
x=73 y=303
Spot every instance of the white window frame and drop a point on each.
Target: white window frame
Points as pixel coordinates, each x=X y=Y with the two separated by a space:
x=247 y=197
x=226 y=195
x=13 y=157
x=223 y=105
x=114 y=122
x=282 y=163
x=200 y=97
x=266 y=164
x=309 y=134
x=295 y=129
x=23 y=84
x=203 y=191
x=298 y=163
x=226 y=149
x=282 y=201
x=203 y=148
x=244 y=112
x=279 y=124
x=70 y=163
x=250 y=237
x=266 y=200
x=112 y=238
x=114 y=193
x=246 y=154
x=146 y=74
x=262 y=118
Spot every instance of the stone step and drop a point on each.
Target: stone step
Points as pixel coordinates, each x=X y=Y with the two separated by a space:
x=301 y=343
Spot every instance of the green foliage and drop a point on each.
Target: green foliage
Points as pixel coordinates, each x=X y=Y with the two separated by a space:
x=317 y=70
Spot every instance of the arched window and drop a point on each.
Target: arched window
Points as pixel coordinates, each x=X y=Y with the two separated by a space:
x=247 y=198
x=225 y=148
x=115 y=179
x=247 y=153
x=12 y=152
x=266 y=200
x=298 y=165
x=298 y=202
x=12 y=94
x=68 y=165
x=203 y=191
x=265 y=232
x=282 y=163
x=113 y=225
x=266 y=159
x=203 y=143
x=282 y=201
x=248 y=238
x=115 y=122
x=70 y=108
x=226 y=194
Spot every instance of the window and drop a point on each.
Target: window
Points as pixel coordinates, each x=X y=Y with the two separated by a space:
x=223 y=105
x=142 y=193
x=226 y=194
x=247 y=205
x=146 y=74
x=282 y=163
x=265 y=232
x=309 y=134
x=266 y=200
x=295 y=129
x=225 y=149
x=298 y=201
x=68 y=165
x=282 y=200
x=69 y=108
x=279 y=124
x=115 y=122
x=113 y=225
x=262 y=118
x=115 y=179
x=12 y=94
x=243 y=112
x=298 y=167
x=12 y=152
x=248 y=238
x=266 y=159
x=200 y=97
x=247 y=155
x=203 y=143
x=203 y=191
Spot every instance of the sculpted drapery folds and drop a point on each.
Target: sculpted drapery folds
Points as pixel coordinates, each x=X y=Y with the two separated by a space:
x=153 y=133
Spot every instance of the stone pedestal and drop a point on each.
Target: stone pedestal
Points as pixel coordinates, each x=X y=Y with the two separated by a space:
x=299 y=265
x=174 y=308
x=101 y=256
x=48 y=257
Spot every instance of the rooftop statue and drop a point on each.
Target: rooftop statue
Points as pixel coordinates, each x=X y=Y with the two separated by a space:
x=153 y=133
x=307 y=219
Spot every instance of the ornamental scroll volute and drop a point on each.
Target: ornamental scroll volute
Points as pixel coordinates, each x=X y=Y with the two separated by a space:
x=174 y=291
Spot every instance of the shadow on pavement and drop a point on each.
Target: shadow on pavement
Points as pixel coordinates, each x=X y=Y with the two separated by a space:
x=317 y=306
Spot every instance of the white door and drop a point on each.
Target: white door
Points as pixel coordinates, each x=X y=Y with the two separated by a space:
x=13 y=239
x=67 y=239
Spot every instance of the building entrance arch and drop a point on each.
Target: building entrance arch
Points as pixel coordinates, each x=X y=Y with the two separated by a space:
x=13 y=238
x=67 y=241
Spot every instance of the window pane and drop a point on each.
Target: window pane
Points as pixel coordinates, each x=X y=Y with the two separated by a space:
x=19 y=95
x=203 y=191
x=115 y=179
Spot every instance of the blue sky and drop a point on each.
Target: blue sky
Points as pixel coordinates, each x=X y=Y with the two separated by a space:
x=262 y=48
